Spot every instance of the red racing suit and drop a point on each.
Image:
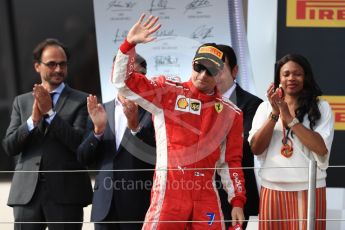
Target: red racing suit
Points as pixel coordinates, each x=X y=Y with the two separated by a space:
x=196 y=134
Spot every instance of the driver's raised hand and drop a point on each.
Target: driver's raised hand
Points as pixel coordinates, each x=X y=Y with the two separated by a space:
x=142 y=31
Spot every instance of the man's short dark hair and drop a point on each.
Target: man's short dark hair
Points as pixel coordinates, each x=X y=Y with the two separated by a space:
x=229 y=53
x=142 y=63
x=37 y=53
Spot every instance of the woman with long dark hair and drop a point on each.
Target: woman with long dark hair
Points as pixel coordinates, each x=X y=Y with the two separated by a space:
x=288 y=130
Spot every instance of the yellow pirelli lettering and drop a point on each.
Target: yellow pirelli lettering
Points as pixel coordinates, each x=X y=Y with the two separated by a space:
x=211 y=50
x=338 y=107
x=315 y=13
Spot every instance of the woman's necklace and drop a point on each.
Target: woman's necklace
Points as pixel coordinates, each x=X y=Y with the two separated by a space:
x=286 y=150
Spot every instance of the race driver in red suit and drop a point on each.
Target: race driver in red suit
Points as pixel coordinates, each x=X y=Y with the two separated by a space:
x=197 y=133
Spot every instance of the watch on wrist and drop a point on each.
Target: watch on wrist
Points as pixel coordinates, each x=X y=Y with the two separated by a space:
x=274 y=117
x=294 y=122
x=50 y=112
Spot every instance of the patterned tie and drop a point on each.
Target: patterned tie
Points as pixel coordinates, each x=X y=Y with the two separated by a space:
x=52 y=97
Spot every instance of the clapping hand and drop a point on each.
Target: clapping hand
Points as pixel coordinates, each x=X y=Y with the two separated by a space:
x=36 y=113
x=97 y=114
x=130 y=109
x=279 y=106
x=274 y=99
x=42 y=98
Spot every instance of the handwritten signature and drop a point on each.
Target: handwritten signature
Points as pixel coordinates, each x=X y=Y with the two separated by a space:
x=196 y=4
x=159 y=5
x=163 y=33
x=121 y=4
x=120 y=35
x=165 y=60
x=202 y=32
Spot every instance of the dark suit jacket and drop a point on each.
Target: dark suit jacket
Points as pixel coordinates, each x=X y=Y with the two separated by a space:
x=51 y=148
x=131 y=194
x=248 y=103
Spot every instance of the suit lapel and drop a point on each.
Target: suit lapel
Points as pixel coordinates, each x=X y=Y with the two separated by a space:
x=126 y=136
x=239 y=96
x=109 y=133
x=110 y=110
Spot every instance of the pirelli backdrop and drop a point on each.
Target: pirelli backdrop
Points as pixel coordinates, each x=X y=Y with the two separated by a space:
x=316 y=29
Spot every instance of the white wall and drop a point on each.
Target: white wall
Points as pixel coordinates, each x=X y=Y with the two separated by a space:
x=262 y=40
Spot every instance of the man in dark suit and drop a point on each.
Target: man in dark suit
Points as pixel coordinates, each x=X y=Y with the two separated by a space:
x=248 y=103
x=46 y=128
x=120 y=138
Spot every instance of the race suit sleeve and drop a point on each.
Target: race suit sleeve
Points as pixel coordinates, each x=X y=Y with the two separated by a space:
x=135 y=86
x=230 y=165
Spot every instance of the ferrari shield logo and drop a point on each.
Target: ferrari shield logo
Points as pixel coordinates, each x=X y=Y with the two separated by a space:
x=219 y=107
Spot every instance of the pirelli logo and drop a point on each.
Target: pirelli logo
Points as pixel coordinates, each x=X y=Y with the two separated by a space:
x=315 y=13
x=338 y=107
x=211 y=50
